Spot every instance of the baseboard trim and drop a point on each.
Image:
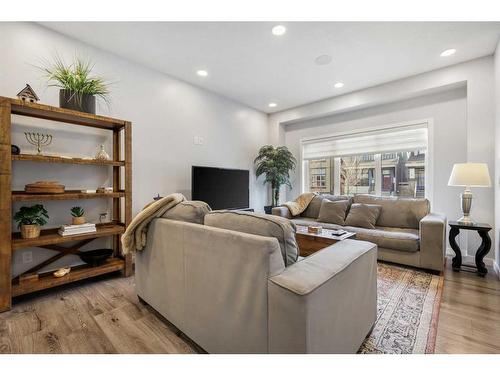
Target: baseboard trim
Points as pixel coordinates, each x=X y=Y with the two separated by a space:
x=496 y=268
x=470 y=258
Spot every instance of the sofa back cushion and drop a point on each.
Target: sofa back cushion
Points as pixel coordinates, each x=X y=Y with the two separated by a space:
x=263 y=225
x=333 y=212
x=363 y=215
x=313 y=209
x=397 y=212
x=188 y=211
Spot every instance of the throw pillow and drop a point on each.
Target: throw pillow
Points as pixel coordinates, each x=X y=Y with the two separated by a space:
x=312 y=210
x=363 y=215
x=333 y=212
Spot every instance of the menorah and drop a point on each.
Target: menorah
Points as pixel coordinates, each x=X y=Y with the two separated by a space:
x=38 y=140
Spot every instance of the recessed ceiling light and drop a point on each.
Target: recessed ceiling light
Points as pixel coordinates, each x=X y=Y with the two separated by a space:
x=448 y=52
x=279 y=30
x=272 y=105
x=323 y=60
x=202 y=73
x=338 y=85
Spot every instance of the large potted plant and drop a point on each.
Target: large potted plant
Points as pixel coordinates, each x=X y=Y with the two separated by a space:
x=275 y=163
x=30 y=219
x=78 y=89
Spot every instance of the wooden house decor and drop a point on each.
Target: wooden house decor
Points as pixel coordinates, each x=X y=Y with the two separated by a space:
x=28 y=95
x=121 y=196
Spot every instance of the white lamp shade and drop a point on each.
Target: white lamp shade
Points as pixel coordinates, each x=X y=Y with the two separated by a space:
x=470 y=175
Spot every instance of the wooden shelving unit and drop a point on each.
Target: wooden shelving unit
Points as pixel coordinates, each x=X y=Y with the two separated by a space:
x=49 y=281
x=67 y=195
x=49 y=238
x=58 y=159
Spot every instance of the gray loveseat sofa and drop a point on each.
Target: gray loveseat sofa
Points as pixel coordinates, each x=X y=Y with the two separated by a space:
x=406 y=232
x=228 y=289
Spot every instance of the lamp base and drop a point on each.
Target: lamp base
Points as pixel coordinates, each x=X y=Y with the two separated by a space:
x=465 y=220
x=466 y=198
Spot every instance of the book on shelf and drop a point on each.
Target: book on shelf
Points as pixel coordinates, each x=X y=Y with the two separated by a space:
x=69 y=230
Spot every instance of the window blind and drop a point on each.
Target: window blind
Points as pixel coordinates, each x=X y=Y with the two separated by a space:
x=405 y=138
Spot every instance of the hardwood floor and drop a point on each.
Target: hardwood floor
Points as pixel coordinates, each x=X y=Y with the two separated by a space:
x=469 y=318
x=105 y=316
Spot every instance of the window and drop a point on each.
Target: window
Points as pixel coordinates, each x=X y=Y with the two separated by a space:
x=403 y=174
x=390 y=162
x=319 y=171
x=357 y=174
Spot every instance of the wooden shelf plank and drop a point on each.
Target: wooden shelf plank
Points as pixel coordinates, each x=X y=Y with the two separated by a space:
x=18 y=196
x=51 y=237
x=58 y=159
x=47 y=112
x=85 y=272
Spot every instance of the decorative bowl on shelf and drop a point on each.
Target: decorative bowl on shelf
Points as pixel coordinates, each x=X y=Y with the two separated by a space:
x=95 y=257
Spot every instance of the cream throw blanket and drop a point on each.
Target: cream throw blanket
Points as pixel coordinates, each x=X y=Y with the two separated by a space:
x=300 y=204
x=134 y=238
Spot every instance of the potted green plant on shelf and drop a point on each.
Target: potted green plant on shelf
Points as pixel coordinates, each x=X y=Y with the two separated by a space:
x=30 y=219
x=78 y=89
x=78 y=214
x=275 y=163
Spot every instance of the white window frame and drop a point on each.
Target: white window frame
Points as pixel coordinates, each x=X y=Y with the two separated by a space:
x=429 y=157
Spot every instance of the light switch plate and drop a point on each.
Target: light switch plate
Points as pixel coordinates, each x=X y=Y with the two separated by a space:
x=198 y=140
x=27 y=257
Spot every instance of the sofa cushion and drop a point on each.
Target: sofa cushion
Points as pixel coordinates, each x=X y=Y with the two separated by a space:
x=189 y=211
x=264 y=225
x=313 y=208
x=333 y=212
x=363 y=215
x=397 y=212
x=402 y=239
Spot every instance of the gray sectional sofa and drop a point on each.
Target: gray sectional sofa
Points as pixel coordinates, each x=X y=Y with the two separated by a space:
x=234 y=284
x=405 y=231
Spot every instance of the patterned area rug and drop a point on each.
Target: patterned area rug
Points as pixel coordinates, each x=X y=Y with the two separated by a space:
x=408 y=308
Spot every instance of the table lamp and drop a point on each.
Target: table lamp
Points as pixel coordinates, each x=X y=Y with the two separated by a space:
x=469 y=175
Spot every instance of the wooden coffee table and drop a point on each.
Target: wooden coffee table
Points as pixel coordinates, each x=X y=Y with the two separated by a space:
x=309 y=243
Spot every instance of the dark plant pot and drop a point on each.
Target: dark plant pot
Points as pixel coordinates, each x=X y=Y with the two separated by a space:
x=268 y=209
x=68 y=100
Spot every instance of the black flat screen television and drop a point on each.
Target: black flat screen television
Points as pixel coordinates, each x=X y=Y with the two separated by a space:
x=220 y=188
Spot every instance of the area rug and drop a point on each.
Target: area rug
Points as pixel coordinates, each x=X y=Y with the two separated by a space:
x=408 y=308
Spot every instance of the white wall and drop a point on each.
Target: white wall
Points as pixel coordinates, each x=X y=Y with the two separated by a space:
x=496 y=177
x=463 y=126
x=166 y=114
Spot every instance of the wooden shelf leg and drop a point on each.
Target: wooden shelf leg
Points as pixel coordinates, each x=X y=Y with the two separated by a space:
x=128 y=189
x=5 y=208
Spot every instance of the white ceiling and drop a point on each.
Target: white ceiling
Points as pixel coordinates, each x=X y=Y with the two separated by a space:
x=247 y=63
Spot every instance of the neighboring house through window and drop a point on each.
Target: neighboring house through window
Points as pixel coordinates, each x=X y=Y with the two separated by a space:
x=390 y=161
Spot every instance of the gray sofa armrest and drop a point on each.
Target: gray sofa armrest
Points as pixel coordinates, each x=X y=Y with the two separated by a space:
x=433 y=241
x=326 y=303
x=281 y=211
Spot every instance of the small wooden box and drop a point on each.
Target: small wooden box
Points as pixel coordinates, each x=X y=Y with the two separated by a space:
x=314 y=229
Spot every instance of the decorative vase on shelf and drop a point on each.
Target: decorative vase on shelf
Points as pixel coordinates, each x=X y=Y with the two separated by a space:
x=102 y=155
x=78 y=102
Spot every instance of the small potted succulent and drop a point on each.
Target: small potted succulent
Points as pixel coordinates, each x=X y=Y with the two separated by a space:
x=30 y=219
x=78 y=215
